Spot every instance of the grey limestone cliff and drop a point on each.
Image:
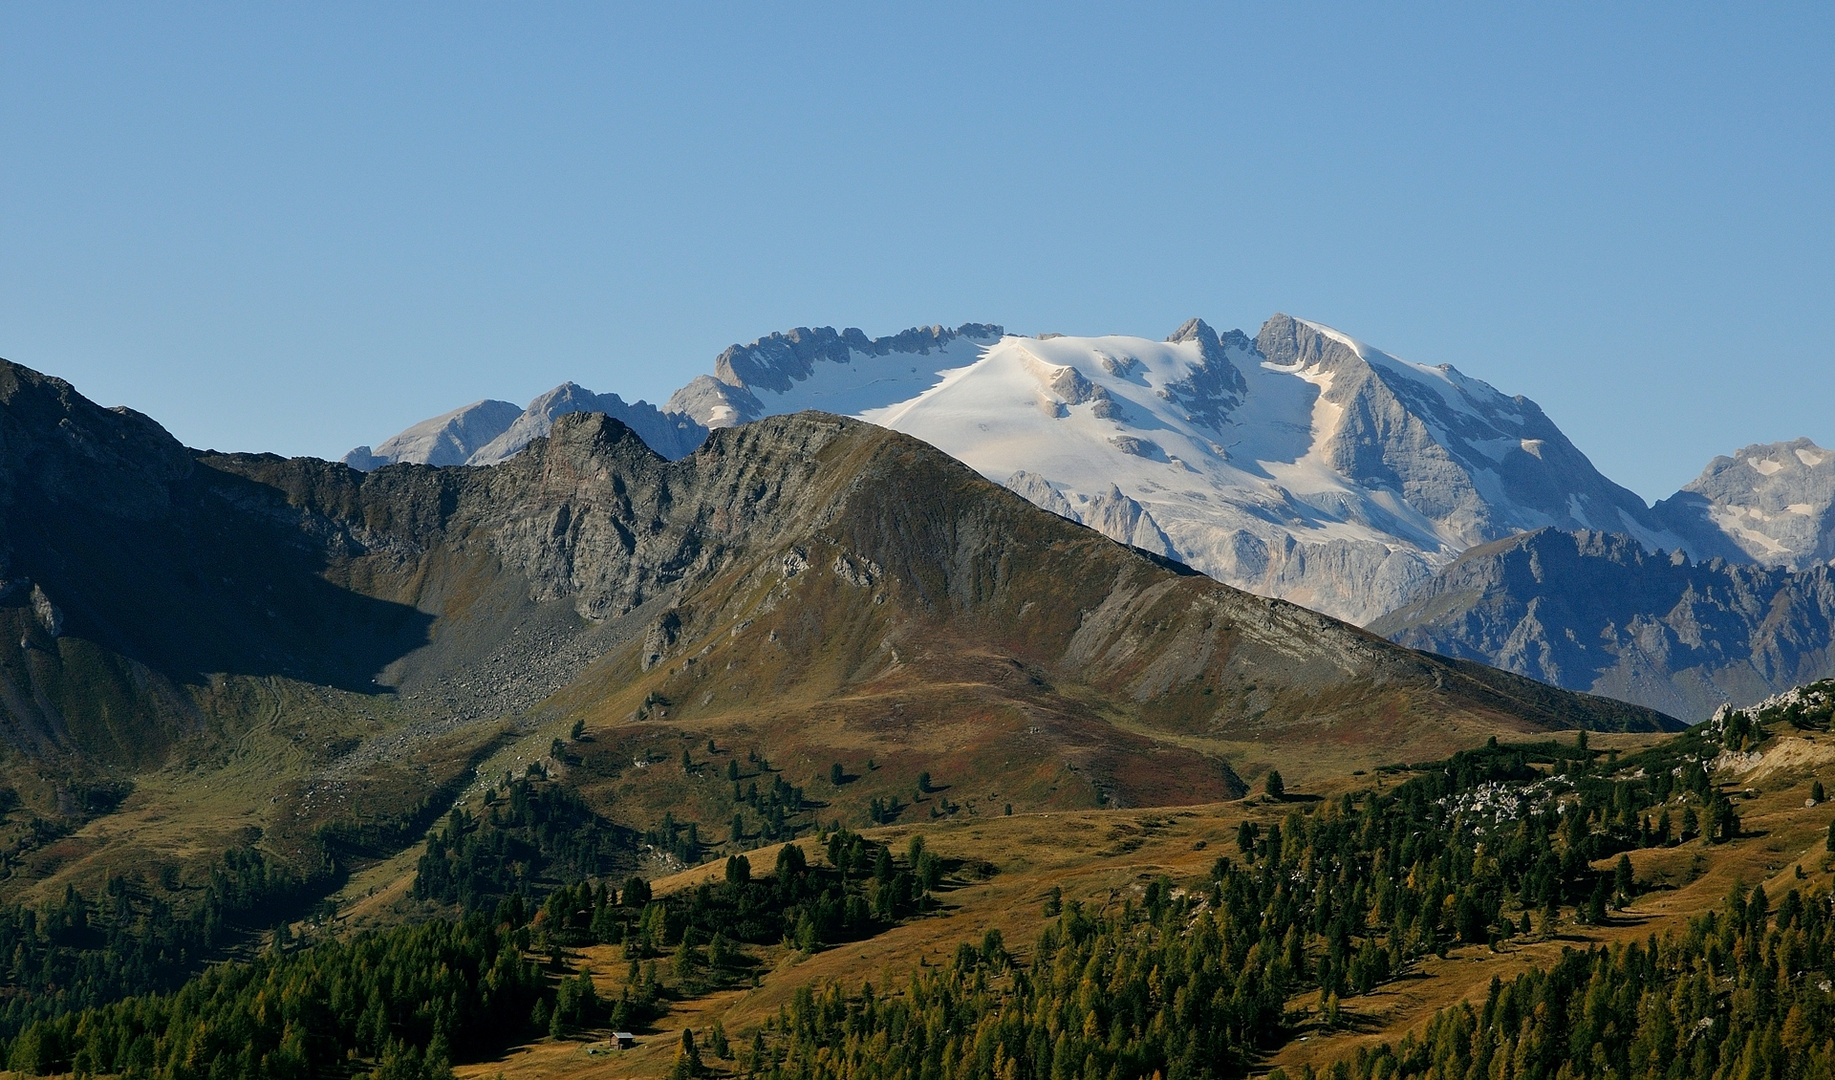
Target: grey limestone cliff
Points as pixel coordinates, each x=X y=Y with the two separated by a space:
x=776 y=363
x=491 y=432
x=671 y=434
x=449 y=439
x=1770 y=503
x=1478 y=463
x=1600 y=613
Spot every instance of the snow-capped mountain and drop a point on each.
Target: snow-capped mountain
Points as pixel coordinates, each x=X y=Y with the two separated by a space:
x=1771 y=504
x=845 y=373
x=490 y=432
x=1303 y=464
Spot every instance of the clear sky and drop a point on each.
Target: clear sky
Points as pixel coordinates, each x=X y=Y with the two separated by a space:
x=299 y=227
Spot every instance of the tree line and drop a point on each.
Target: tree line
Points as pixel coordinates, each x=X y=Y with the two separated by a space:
x=1196 y=982
x=466 y=988
x=1744 y=992
x=76 y=952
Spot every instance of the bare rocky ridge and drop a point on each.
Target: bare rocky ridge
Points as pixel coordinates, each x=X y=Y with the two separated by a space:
x=450 y=439
x=1301 y=464
x=670 y=434
x=1599 y=613
x=774 y=365
x=489 y=432
x=321 y=653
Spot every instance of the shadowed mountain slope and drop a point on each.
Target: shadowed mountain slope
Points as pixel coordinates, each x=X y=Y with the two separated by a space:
x=1599 y=613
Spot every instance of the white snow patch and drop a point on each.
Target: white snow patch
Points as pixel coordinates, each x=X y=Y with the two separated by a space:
x=1765 y=466
x=869 y=382
x=1729 y=520
x=1810 y=457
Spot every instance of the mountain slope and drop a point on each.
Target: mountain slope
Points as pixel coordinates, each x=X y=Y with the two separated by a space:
x=1599 y=613
x=450 y=439
x=216 y=647
x=873 y=551
x=1771 y=504
x=670 y=434
x=489 y=432
x=249 y=642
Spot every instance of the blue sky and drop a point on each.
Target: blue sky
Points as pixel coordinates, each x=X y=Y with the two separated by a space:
x=302 y=227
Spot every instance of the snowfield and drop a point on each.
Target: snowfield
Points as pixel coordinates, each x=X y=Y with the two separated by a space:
x=1301 y=463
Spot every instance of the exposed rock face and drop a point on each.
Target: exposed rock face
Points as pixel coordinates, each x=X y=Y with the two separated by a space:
x=1303 y=464
x=822 y=369
x=1598 y=612
x=670 y=434
x=490 y=432
x=48 y=614
x=1215 y=386
x=1118 y=517
x=444 y=440
x=1038 y=491
x=1772 y=504
x=1478 y=464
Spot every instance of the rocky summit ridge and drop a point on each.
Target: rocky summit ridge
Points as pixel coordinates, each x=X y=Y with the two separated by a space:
x=1600 y=613
x=490 y=432
x=1770 y=503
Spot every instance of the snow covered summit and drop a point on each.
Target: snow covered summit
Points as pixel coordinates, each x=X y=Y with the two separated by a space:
x=1302 y=464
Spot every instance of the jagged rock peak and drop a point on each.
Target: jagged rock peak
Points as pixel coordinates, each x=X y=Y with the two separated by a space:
x=1122 y=519
x=491 y=432
x=1770 y=503
x=69 y=449
x=1599 y=612
x=1194 y=330
x=1039 y=491
x=672 y=435
x=1216 y=386
x=1289 y=342
x=779 y=360
x=1210 y=343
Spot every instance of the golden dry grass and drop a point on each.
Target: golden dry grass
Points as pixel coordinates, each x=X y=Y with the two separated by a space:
x=1103 y=856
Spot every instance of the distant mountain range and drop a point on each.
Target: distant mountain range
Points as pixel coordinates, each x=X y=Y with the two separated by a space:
x=491 y=432
x=1599 y=612
x=1301 y=464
